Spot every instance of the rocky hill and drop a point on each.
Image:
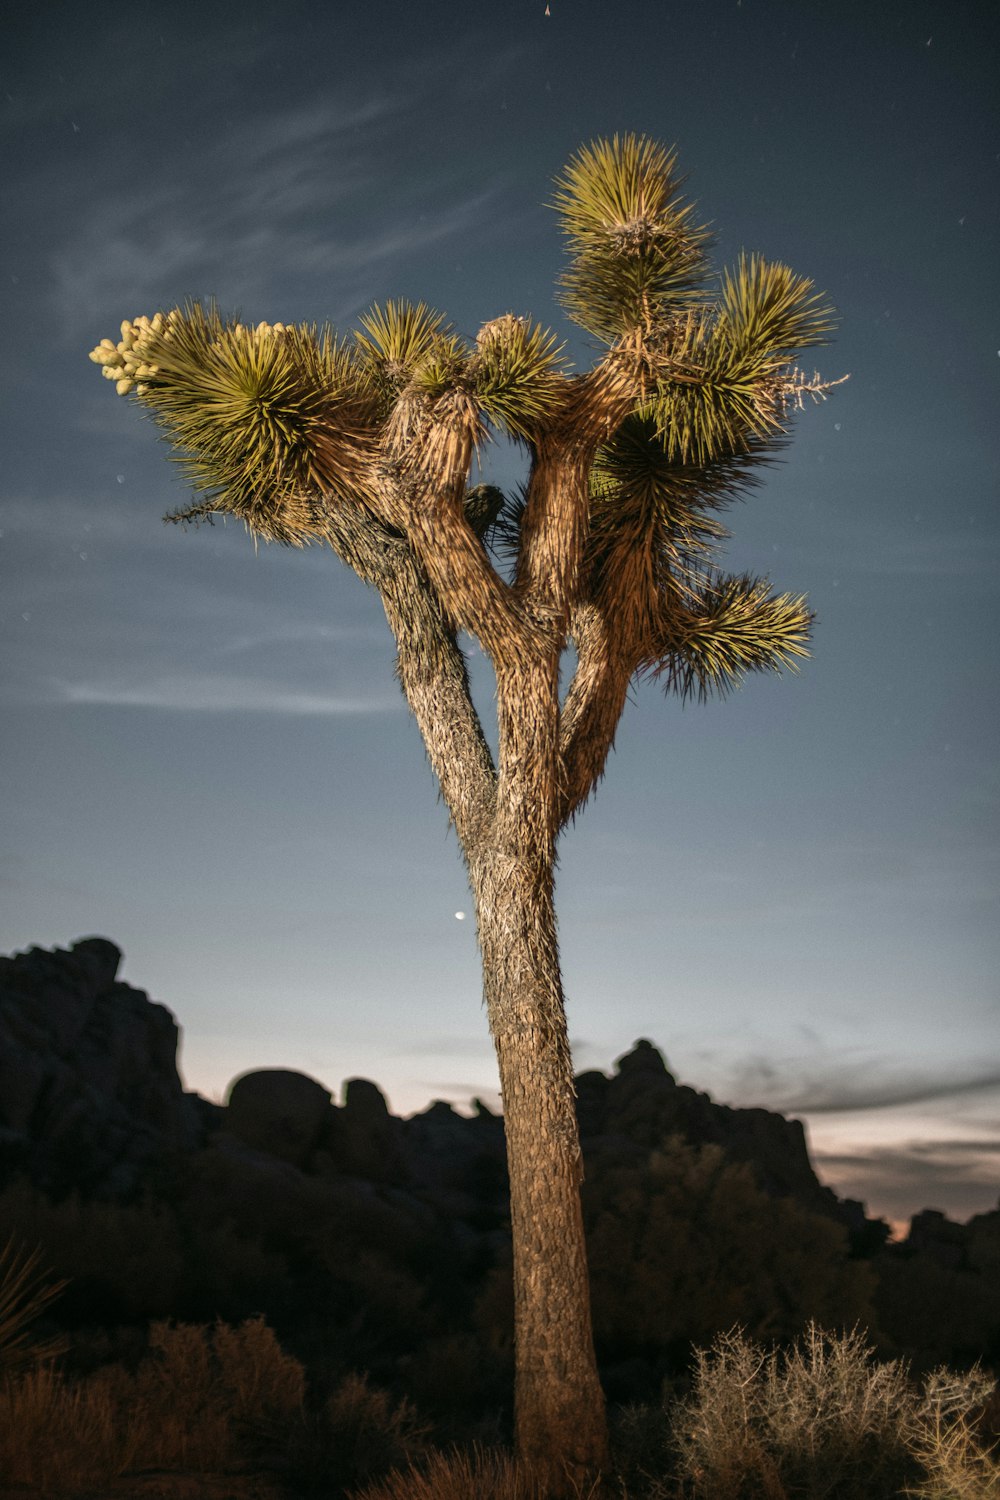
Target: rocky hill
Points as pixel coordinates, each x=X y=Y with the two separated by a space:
x=395 y=1232
x=91 y=1100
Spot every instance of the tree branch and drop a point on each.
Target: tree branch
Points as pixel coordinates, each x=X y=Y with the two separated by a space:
x=423 y=475
x=554 y=525
x=430 y=667
x=593 y=706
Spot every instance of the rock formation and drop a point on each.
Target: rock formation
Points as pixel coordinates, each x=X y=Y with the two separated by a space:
x=89 y=1090
x=90 y=1099
x=156 y=1203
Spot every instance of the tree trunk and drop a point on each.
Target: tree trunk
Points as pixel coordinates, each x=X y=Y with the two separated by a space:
x=559 y=1412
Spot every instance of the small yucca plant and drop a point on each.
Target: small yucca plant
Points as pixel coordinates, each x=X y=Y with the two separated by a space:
x=25 y=1294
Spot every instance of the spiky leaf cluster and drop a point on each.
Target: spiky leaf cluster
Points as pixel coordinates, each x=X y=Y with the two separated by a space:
x=259 y=416
x=732 y=625
x=636 y=484
x=403 y=341
x=690 y=397
x=517 y=374
x=637 y=255
x=725 y=383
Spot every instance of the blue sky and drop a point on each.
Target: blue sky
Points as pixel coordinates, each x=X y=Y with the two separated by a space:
x=205 y=755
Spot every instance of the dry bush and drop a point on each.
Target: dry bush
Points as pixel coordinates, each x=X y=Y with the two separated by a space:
x=819 y=1421
x=823 y=1421
x=62 y=1439
x=958 y=1464
x=194 y=1403
x=359 y=1432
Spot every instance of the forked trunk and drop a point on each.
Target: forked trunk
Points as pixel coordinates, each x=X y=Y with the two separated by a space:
x=559 y=1412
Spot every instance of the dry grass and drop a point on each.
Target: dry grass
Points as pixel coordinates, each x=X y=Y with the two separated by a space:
x=483 y=1474
x=187 y=1408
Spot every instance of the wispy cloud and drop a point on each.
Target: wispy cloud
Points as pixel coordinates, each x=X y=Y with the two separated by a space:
x=217 y=693
x=897 y=1181
x=850 y=1084
x=286 y=195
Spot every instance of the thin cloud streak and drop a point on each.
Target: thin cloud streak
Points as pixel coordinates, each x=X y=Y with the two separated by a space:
x=219 y=694
x=897 y=1181
x=850 y=1085
x=836 y=1096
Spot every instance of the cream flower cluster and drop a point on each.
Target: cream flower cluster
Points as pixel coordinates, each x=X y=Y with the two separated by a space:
x=125 y=362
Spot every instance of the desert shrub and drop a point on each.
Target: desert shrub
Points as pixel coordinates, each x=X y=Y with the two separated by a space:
x=958 y=1463
x=825 y=1420
x=197 y=1401
x=212 y=1401
x=61 y=1439
x=358 y=1433
x=686 y=1244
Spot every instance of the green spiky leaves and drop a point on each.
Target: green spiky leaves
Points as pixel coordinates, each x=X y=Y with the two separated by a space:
x=637 y=255
x=690 y=396
x=517 y=373
x=731 y=626
x=635 y=483
x=403 y=341
x=513 y=374
x=767 y=314
x=259 y=415
x=725 y=381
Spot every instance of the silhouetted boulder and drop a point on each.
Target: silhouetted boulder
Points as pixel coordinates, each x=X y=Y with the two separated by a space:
x=641 y=1107
x=363 y=1139
x=90 y=1098
x=89 y=1091
x=278 y=1111
x=644 y=1061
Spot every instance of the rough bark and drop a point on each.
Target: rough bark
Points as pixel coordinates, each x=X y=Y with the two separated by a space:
x=559 y=1411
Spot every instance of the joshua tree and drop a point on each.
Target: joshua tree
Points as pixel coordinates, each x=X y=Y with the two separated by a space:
x=368 y=444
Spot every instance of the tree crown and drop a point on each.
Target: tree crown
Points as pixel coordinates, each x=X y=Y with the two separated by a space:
x=632 y=460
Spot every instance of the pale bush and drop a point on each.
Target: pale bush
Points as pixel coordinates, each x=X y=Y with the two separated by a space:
x=820 y=1421
x=957 y=1466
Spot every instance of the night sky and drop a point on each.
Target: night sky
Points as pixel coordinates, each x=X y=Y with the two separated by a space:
x=205 y=755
